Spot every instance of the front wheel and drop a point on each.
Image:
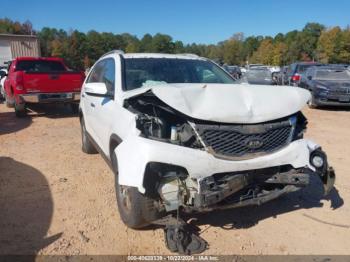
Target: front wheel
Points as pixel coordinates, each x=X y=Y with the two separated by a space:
x=312 y=103
x=136 y=210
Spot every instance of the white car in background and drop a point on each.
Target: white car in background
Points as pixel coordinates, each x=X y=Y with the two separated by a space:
x=179 y=134
x=3 y=75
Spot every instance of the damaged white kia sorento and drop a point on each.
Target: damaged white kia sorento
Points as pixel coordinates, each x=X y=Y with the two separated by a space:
x=182 y=136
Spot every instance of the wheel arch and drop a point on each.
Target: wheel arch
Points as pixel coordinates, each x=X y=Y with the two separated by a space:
x=80 y=115
x=114 y=141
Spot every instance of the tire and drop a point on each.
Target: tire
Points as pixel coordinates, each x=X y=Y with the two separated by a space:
x=74 y=108
x=312 y=103
x=9 y=103
x=135 y=209
x=86 y=145
x=20 y=110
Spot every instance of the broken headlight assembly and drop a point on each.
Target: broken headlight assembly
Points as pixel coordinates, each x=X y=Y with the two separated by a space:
x=176 y=132
x=150 y=126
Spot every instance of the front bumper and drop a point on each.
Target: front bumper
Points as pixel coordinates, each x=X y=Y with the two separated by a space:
x=326 y=99
x=241 y=190
x=50 y=97
x=329 y=102
x=135 y=153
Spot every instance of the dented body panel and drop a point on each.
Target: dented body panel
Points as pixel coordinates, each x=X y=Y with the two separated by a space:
x=234 y=103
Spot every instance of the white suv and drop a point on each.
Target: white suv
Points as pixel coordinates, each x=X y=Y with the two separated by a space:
x=180 y=134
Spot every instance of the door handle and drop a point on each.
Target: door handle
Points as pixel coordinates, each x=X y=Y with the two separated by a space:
x=92 y=104
x=83 y=95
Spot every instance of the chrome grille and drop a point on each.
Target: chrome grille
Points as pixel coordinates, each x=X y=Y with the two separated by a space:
x=237 y=141
x=339 y=91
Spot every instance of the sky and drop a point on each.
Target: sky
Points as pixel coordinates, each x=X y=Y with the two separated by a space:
x=199 y=21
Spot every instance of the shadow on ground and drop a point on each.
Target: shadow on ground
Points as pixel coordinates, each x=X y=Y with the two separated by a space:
x=9 y=123
x=246 y=217
x=26 y=209
x=333 y=108
x=50 y=110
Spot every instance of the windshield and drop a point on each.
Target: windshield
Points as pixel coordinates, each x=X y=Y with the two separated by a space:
x=40 y=66
x=341 y=75
x=141 y=72
x=303 y=68
x=233 y=69
x=259 y=74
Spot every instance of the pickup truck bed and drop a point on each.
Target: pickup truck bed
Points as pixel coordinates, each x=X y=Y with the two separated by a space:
x=41 y=80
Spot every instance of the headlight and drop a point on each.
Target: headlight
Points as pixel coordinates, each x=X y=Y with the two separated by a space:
x=321 y=87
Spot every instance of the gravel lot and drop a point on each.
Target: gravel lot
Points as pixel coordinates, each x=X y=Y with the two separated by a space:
x=56 y=200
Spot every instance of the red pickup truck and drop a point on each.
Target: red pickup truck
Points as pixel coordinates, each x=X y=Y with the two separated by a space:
x=41 y=80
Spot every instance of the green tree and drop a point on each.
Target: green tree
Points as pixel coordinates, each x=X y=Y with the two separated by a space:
x=328 y=44
x=265 y=53
x=308 y=39
x=280 y=50
x=81 y=50
x=232 y=52
x=163 y=44
x=344 y=47
x=146 y=43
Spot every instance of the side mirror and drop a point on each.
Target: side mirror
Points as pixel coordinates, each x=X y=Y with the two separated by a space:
x=309 y=77
x=96 y=89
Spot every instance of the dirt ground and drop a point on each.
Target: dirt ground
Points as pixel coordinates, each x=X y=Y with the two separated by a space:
x=54 y=199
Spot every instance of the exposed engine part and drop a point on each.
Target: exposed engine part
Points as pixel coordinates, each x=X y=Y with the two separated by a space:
x=173 y=135
x=173 y=192
x=169 y=184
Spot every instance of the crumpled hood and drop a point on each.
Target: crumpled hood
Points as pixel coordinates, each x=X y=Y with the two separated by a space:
x=231 y=103
x=236 y=103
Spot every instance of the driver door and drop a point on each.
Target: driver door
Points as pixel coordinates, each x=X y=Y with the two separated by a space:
x=102 y=107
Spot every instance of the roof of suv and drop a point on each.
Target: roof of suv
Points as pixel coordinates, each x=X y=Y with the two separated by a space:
x=329 y=67
x=307 y=63
x=154 y=55
x=160 y=55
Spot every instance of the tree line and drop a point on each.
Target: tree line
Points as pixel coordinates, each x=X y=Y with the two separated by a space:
x=80 y=50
